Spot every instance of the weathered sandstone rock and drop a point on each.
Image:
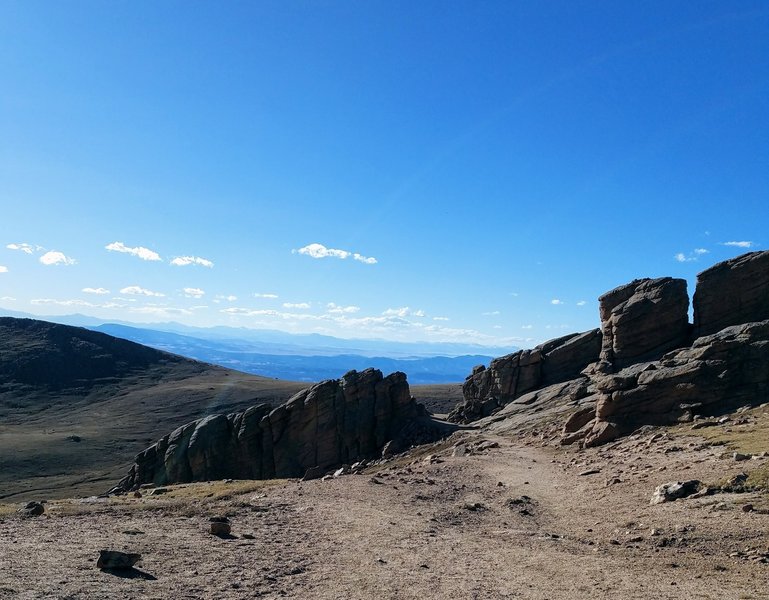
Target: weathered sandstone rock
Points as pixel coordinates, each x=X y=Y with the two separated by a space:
x=516 y=374
x=732 y=292
x=642 y=320
x=333 y=422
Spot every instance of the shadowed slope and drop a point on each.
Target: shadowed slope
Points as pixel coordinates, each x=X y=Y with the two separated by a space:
x=76 y=405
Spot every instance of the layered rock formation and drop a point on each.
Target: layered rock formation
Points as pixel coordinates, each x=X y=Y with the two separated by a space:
x=333 y=422
x=514 y=375
x=651 y=367
x=642 y=320
x=718 y=373
x=732 y=292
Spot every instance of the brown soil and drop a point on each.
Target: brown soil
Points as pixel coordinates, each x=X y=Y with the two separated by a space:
x=421 y=527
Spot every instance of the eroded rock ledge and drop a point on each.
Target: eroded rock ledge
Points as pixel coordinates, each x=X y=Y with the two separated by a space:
x=652 y=366
x=331 y=423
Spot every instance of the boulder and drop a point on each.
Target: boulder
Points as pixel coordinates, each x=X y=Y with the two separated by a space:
x=514 y=375
x=642 y=320
x=668 y=492
x=732 y=292
x=334 y=422
x=114 y=559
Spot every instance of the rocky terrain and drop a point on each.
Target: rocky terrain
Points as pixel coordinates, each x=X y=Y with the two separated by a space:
x=626 y=462
x=481 y=515
x=331 y=423
x=653 y=367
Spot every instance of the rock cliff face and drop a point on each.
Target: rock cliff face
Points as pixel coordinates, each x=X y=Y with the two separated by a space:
x=642 y=320
x=512 y=376
x=717 y=373
x=331 y=423
x=726 y=365
x=732 y=292
x=647 y=365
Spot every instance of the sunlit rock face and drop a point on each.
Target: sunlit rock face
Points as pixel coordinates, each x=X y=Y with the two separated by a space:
x=732 y=292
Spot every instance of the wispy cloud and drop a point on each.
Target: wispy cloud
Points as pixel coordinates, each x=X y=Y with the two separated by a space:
x=54 y=257
x=269 y=296
x=491 y=313
x=320 y=251
x=692 y=256
x=135 y=290
x=183 y=261
x=403 y=311
x=8 y=299
x=41 y=301
x=138 y=251
x=744 y=244
x=339 y=310
x=441 y=319
x=3 y=269
x=23 y=247
x=581 y=303
x=220 y=297
x=100 y=290
x=556 y=301
x=191 y=292
x=300 y=305
x=527 y=326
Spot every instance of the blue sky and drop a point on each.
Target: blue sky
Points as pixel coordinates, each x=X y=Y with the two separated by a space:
x=472 y=171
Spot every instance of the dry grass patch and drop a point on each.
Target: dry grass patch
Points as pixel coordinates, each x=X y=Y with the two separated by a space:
x=184 y=499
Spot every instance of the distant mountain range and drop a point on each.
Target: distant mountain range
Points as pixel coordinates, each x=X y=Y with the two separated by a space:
x=296 y=357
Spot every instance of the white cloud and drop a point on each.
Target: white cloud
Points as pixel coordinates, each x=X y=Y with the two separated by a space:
x=139 y=251
x=491 y=313
x=100 y=291
x=220 y=297
x=527 y=326
x=301 y=305
x=56 y=258
x=514 y=294
x=3 y=269
x=183 y=261
x=403 y=311
x=441 y=319
x=368 y=260
x=270 y=296
x=581 y=303
x=339 y=310
x=320 y=251
x=23 y=247
x=135 y=290
x=701 y=251
x=191 y=292
x=496 y=326
x=556 y=301
x=739 y=244
x=8 y=298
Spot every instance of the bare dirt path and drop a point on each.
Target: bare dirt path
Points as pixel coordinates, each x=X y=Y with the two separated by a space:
x=515 y=521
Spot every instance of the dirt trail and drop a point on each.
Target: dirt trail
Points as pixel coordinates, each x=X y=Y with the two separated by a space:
x=513 y=521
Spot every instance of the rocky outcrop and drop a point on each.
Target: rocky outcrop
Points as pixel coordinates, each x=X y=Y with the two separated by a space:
x=642 y=320
x=333 y=422
x=732 y=292
x=516 y=374
x=718 y=373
